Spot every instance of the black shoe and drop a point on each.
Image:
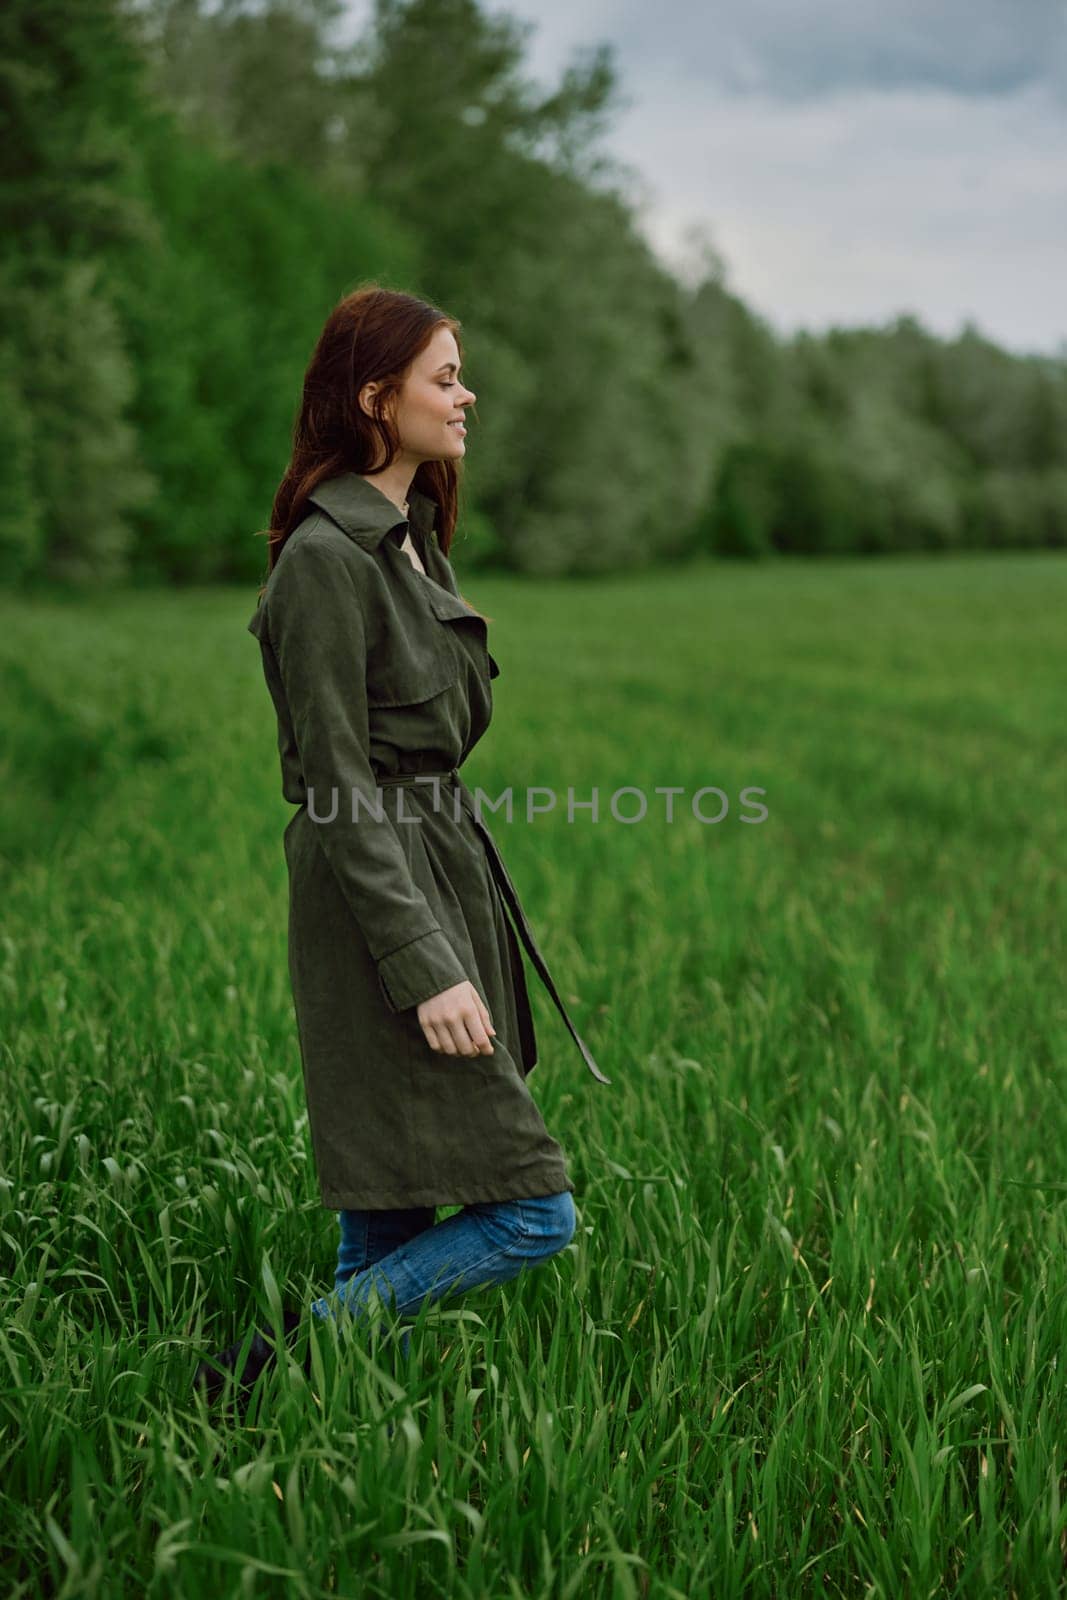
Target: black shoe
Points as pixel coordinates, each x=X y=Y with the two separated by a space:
x=212 y=1375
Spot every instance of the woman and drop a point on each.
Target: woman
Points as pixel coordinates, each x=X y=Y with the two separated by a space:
x=412 y=1011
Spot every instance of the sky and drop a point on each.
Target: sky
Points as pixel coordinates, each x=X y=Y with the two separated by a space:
x=848 y=160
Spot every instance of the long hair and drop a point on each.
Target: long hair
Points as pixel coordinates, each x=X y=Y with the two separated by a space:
x=371 y=336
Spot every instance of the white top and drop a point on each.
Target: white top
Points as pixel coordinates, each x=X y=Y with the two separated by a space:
x=410 y=551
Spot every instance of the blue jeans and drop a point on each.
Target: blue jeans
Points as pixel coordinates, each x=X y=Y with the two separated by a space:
x=409 y=1258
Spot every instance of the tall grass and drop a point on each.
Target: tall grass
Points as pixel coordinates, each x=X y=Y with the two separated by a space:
x=806 y=1339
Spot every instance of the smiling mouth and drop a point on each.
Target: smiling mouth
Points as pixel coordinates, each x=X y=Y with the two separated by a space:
x=459 y=424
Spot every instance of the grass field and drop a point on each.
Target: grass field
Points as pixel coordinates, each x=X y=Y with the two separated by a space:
x=806 y=1339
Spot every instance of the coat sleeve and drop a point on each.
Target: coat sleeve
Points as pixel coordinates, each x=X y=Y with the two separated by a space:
x=316 y=629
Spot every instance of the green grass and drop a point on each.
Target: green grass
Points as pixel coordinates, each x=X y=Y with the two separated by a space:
x=806 y=1339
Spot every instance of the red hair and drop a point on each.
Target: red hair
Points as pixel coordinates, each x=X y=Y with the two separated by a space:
x=371 y=336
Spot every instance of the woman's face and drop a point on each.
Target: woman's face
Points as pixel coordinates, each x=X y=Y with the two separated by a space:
x=430 y=408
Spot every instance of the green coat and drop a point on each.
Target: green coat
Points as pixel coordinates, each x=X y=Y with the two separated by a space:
x=377 y=671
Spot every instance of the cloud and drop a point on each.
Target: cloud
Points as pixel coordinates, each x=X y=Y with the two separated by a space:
x=850 y=161
x=797 y=52
x=864 y=204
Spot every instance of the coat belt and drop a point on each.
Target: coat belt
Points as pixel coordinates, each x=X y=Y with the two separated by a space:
x=511 y=899
x=412 y=777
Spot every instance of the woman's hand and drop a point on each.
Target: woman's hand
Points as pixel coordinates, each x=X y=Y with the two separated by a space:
x=456 y=1022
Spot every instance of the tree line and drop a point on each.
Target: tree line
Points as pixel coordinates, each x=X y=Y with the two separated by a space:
x=186 y=191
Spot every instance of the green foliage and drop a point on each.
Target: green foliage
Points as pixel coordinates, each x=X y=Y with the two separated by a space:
x=220 y=306
x=187 y=189
x=745 y=502
x=76 y=381
x=68 y=97
x=21 y=512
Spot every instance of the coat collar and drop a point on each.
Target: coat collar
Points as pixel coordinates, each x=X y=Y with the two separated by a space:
x=366 y=514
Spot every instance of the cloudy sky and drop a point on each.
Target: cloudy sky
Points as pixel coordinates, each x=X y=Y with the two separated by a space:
x=847 y=159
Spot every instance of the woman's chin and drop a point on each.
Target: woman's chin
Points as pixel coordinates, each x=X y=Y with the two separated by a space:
x=458 y=451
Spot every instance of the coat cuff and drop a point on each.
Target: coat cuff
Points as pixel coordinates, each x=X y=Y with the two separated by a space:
x=419 y=970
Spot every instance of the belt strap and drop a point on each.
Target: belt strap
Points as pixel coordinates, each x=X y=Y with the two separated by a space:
x=414 y=777
x=511 y=899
